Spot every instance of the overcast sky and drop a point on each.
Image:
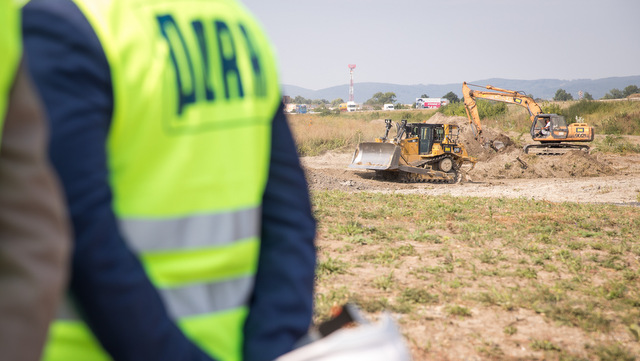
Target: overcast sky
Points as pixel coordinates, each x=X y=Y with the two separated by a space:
x=450 y=41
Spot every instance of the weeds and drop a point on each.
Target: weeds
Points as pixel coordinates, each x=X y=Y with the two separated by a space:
x=460 y=311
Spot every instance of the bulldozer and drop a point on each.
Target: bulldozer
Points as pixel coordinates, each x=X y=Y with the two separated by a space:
x=419 y=152
x=551 y=131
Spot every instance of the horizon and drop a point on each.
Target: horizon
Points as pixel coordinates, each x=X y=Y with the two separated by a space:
x=477 y=80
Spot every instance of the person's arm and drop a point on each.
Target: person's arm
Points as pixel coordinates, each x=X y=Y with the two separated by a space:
x=282 y=302
x=34 y=233
x=108 y=284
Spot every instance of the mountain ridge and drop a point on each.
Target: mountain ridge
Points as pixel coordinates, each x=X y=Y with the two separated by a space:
x=407 y=94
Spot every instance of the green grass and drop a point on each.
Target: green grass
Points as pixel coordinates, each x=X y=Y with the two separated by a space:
x=616 y=144
x=575 y=265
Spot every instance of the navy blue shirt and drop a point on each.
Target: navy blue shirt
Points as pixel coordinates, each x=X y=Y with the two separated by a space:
x=108 y=283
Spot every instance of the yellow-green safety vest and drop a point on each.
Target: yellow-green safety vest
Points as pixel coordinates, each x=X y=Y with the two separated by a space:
x=10 y=48
x=195 y=89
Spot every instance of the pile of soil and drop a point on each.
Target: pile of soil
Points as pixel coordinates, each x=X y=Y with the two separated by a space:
x=510 y=162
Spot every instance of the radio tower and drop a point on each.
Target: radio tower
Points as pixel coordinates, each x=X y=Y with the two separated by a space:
x=351 y=67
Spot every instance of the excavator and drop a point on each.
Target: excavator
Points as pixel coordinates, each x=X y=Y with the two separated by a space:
x=419 y=152
x=550 y=130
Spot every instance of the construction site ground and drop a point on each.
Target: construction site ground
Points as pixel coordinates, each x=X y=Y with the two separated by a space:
x=574 y=177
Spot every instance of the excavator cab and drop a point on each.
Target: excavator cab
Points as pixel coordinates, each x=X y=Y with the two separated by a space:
x=556 y=141
x=558 y=130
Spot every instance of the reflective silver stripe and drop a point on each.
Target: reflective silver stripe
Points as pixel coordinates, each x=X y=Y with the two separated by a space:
x=190 y=232
x=190 y=300
x=197 y=299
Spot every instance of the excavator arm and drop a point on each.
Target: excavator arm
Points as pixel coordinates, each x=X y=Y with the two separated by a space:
x=471 y=108
x=497 y=94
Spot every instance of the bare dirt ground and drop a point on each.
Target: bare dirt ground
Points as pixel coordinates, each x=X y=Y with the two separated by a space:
x=573 y=177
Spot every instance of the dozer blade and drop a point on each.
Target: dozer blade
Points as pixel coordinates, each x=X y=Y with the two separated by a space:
x=376 y=156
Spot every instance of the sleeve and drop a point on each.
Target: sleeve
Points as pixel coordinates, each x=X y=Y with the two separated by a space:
x=108 y=283
x=282 y=303
x=34 y=234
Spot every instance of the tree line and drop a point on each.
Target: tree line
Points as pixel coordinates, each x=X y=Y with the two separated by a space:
x=562 y=95
x=380 y=98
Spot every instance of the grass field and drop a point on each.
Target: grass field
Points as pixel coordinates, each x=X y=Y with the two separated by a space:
x=481 y=278
x=576 y=265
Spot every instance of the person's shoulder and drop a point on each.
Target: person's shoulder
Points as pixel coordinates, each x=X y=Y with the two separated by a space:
x=54 y=15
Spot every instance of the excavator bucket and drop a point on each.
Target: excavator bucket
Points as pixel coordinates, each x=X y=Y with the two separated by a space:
x=376 y=156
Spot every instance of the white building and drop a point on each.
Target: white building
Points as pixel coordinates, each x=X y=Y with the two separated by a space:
x=431 y=103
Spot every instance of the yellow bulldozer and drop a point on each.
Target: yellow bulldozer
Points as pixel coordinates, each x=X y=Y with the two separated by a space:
x=419 y=152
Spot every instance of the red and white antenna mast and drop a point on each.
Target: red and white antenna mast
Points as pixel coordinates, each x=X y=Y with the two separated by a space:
x=351 y=67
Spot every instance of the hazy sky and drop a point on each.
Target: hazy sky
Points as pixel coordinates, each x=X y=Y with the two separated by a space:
x=450 y=41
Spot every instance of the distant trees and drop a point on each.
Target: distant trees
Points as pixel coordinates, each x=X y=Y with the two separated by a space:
x=620 y=94
x=562 y=95
x=587 y=96
x=336 y=102
x=614 y=94
x=424 y=95
x=382 y=98
x=452 y=97
x=319 y=101
x=301 y=100
x=631 y=89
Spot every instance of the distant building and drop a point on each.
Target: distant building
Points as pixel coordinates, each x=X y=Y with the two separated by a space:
x=289 y=107
x=295 y=108
x=431 y=103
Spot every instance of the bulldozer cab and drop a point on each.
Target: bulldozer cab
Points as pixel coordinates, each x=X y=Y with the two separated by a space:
x=429 y=134
x=425 y=135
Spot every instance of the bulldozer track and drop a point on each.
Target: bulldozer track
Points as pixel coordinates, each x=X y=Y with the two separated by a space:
x=433 y=176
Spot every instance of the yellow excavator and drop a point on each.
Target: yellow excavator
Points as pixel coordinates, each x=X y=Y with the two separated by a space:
x=419 y=152
x=550 y=130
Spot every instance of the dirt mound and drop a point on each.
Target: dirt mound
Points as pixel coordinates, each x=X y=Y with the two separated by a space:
x=467 y=136
x=515 y=164
x=512 y=163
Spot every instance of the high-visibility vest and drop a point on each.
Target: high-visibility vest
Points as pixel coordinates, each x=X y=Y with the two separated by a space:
x=10 y=48
x=195 y=89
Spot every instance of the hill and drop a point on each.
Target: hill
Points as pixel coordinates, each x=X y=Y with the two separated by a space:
x=541 y=88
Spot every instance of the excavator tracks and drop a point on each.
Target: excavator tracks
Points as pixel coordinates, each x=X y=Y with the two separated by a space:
x=554 y=149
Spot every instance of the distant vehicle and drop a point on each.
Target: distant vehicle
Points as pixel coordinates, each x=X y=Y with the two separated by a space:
x=301 y=108
x=431 y=103
x=388 y=107
x=351 y=106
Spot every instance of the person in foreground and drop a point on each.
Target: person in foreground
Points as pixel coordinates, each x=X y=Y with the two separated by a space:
x=34 y=233
x=190 y=210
